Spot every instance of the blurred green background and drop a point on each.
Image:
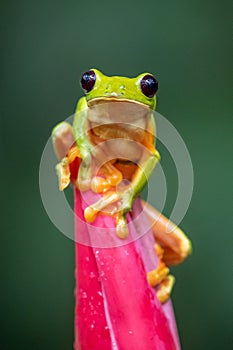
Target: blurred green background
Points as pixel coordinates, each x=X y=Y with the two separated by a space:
x=45 y=47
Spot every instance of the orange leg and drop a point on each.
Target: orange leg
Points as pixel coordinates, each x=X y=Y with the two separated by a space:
x=175 y=243
x=172 y=248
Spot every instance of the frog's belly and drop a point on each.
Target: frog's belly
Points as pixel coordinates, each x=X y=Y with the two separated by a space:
x=121 y=124
x=118 y=141
x=124 y=149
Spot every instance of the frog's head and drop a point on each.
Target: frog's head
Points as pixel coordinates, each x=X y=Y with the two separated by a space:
x=141 y=89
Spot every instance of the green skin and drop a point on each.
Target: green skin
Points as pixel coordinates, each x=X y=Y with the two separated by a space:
x=122 y=89
x=107 y=87
x=118 y=89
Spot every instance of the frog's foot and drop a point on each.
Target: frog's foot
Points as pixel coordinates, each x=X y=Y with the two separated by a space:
x=103 y=206
x=63 y=167
x=63 y=173
x=73 y=153
x=156 y=276
x=122 y=199
x=165 y=288
x=109 y=177
x=66 y=151
x=91 y=212
x=121 y=226
x=160 y=277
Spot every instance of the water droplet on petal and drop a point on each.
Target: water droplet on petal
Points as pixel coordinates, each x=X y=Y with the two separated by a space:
x=92 y=275
x=84 y=295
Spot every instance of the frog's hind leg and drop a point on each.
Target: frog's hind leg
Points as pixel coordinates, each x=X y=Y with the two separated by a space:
x=175 y=243
x=172 y=248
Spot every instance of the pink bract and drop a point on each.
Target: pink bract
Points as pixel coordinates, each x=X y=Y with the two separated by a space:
x=115 y=306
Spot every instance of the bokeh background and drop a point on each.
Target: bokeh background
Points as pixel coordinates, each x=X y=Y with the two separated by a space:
x=45 y=47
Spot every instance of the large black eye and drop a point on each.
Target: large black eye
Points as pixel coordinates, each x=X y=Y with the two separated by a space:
x=88 y=80
x=149 y=85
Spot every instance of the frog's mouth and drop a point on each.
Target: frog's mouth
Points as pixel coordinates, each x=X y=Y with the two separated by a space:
x=117 y=110
x=115 y=99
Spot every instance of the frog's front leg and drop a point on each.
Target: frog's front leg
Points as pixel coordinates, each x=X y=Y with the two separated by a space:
x=86 y=148
x=102 y=205
x=124 y=195
x=139 y=179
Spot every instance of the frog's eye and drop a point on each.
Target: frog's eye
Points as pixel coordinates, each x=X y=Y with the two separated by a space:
x=88 y=80
x=149 y=85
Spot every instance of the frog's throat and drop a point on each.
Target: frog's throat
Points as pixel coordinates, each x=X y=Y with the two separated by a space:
x=99 y=100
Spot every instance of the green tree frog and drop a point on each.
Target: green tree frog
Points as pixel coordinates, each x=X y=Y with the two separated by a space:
x=114 y=108
x=114 y=135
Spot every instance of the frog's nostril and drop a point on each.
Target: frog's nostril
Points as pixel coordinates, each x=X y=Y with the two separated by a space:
x=122 y=90
x=107 y=89
x=119 y=90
